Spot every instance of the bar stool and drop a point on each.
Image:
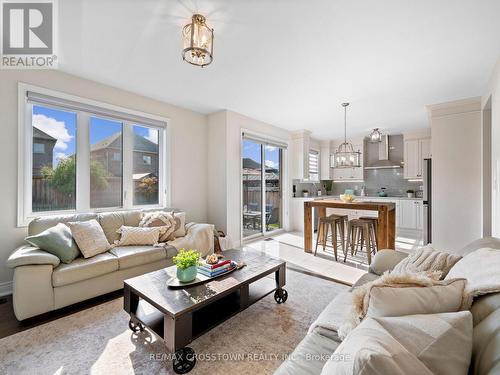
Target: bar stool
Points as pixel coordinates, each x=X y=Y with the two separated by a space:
x=374 y=222
x=337 y=223
x=360 y=232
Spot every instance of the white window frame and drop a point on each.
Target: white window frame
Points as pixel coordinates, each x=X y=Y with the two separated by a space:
x=25 y=159
x=317 y=154
x=148 y=158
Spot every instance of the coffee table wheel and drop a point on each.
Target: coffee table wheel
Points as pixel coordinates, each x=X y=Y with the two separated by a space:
x=280 y=296
x=135 y=327
x=184 y=360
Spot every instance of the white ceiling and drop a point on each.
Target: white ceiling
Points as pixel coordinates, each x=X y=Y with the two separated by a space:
x=292 y=62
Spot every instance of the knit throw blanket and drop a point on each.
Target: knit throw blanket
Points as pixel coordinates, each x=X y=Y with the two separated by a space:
x=428 y=259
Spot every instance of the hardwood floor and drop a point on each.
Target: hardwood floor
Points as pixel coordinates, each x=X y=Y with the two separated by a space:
x=9 y=325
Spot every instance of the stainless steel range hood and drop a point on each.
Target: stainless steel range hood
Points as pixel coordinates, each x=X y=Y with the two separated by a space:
x=387 y=154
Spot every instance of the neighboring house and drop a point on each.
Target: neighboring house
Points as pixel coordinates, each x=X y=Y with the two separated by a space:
x=109 y=153
x=43 y=151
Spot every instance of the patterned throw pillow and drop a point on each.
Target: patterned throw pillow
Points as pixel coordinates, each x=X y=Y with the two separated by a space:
x=138 y=236
x=180 y=223
x=89 y=237
x=161 y=220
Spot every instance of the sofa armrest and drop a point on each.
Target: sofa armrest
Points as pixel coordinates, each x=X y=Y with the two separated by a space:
x=29 y=255
x=385 y=260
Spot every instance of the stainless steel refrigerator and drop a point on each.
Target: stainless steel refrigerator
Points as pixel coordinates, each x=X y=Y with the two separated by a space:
x=427 y=203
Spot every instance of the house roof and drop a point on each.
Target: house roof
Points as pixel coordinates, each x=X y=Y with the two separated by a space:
x=37 y=133
x=140 y=143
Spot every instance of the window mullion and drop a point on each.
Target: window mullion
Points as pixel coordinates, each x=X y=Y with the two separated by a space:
x=82 y=162
x=128 y=164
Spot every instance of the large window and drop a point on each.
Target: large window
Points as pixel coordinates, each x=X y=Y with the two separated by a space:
x=77 y=155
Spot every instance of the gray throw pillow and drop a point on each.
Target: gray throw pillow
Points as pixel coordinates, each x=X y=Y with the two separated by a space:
x=57 y=241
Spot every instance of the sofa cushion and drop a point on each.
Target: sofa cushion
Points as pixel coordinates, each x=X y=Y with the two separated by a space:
x=39 y=224
x=309 y=356
x=428 y=259
x=413 y=344
x=131 y=256
x=484 y=306
x=366 y=278
x=486 y=346
x=133 y=236
x=385 y=260
x=335 y=314
x=393 y=301
x=83 y=269
x=89 y=237
x=57 y=241
x=112 y=221
x=490 y=242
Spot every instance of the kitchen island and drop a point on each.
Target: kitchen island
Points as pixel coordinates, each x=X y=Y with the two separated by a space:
x=386 y=219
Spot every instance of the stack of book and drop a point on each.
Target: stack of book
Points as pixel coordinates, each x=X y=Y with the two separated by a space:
x=216 y=269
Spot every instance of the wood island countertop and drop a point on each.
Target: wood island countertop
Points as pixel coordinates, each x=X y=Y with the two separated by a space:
x=386 y=233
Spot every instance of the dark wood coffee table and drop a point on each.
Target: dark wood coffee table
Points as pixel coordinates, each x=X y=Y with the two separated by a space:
x=178 y=316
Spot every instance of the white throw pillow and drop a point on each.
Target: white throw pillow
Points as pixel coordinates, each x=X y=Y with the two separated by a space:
x=89 y=237
x=392 y=301
x=411 y=345
x=138 y=236
x=481 y=268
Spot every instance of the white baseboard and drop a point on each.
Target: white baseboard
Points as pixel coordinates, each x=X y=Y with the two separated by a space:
x=5 y=288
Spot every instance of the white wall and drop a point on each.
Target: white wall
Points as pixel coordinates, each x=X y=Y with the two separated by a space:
x=456 y=173
x=226 y=185
x=188 y=147
x=493 y=92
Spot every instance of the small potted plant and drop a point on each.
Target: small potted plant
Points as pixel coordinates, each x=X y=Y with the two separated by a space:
x=187 y=262
x=305 y=193
x=410 y=193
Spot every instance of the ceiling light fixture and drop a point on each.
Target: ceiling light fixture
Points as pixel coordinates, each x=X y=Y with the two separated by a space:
x=345 y=156
x=198 y=41
x=375 y=136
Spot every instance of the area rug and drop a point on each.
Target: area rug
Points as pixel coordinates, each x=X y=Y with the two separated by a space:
x=98 y=341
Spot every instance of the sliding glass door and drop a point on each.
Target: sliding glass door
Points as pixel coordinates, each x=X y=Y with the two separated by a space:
x=261 y=187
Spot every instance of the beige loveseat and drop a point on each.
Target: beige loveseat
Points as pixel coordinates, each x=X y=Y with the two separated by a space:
x=42 y=283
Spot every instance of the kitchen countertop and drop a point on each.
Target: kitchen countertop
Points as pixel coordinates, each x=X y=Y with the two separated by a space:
x=357 y=197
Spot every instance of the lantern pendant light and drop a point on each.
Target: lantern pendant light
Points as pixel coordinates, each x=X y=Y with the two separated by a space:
x=375 y=136
x=198 y=41
x=345 y=156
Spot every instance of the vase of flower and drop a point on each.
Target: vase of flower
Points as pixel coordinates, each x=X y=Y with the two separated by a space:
x=187 y=262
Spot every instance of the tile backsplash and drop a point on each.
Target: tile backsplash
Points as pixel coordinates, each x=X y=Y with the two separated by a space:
x=375 y=179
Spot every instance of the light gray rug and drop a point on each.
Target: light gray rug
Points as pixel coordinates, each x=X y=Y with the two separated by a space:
x=98 y=341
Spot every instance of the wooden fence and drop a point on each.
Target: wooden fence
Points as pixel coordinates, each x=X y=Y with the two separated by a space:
x=46 y=198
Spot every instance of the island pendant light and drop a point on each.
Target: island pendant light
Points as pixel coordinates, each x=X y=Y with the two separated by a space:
x=375 y=136
x=345 y=156
x=198 y=41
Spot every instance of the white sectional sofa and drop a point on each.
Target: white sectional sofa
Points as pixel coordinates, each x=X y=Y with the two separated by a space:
x=312 y=353
x=42 y=283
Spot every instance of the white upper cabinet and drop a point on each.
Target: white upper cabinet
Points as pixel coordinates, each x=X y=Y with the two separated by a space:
x=416 y=150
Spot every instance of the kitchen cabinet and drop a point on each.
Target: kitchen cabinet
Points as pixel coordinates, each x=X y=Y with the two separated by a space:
x=411 y=214
x=415 y=151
